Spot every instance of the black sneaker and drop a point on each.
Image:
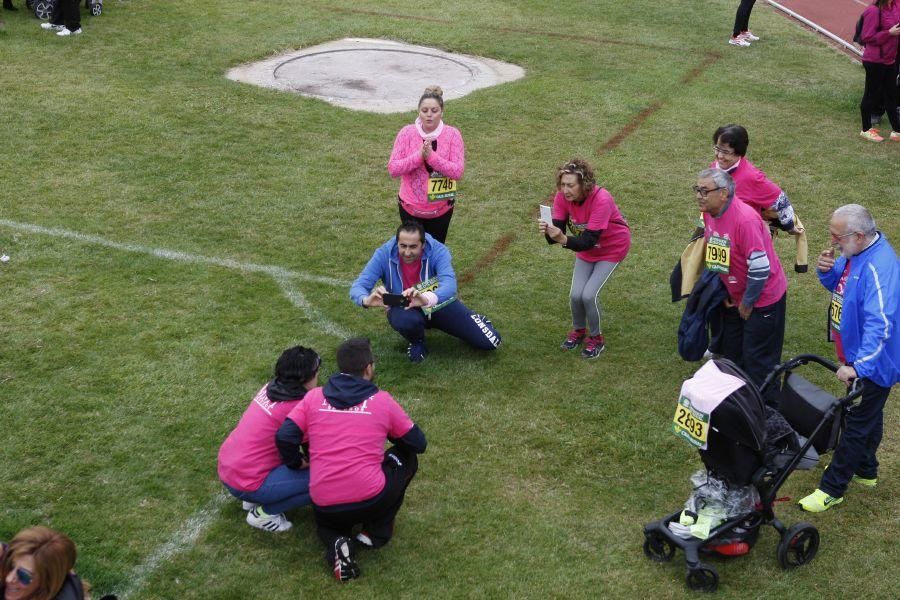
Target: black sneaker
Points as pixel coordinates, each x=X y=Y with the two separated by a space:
x=345 y=568
x=417 y=352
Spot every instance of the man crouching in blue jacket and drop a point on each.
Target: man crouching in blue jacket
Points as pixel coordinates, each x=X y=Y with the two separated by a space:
x=418 y=289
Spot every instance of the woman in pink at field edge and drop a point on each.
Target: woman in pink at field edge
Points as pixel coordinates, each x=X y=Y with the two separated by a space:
x=429 y=159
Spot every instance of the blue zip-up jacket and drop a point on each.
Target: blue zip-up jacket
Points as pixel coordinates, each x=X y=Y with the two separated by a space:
x=385 y=265
x=871 y=311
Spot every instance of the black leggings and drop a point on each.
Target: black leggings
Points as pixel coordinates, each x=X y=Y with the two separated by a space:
x=68 y=13
x=879 y=94
x=742 y=18
x=437 y=226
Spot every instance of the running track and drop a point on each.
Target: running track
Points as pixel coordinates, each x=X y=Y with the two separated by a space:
x=835 y=16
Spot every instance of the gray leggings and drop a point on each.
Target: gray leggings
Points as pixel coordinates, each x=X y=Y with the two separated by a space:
x=588 y=279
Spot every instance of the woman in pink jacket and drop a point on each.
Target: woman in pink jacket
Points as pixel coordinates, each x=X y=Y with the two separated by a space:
x=429 y=158
x=881 y=34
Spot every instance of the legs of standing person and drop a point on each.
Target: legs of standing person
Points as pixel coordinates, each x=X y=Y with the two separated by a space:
x=588 y=299
x=282 y=490
x=581 y=273
x=855 y=453
x=762 y=342
x=890 y=96
x=877 y=76
x=58 y=15
x=437 y=227
x=71 y=13
x=742 y=17
x=461 y=322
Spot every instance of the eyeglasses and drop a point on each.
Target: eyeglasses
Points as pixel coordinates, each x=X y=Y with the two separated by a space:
x=840 y=237
x=24 y=576
x=704 y=192
x=723 y=152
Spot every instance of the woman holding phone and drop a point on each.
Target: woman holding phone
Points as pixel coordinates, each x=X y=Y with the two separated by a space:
x=880 y=31
x=429 y=159
x=600 y=238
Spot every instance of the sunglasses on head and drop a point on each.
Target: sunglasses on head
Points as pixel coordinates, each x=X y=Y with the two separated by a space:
x=24 y=576
x=573 y=169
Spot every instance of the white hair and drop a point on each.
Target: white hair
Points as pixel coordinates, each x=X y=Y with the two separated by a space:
x=858 y=219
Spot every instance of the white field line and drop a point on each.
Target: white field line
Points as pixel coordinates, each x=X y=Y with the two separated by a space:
x=191 y=530
x=285 y=278
x=183 y=539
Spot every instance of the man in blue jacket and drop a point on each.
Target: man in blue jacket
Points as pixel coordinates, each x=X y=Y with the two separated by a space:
x=864 y=282
x=416 y=266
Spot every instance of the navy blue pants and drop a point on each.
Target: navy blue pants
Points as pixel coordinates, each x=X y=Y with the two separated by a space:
x=375 y=514
x=455 y=318
x=855 y=452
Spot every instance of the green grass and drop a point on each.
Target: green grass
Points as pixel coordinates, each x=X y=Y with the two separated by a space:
x=121 y=372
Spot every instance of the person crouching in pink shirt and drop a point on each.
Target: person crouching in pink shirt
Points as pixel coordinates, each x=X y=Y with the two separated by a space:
x=250 y=465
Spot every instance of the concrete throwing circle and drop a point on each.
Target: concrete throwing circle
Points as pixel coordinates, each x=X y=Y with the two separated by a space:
x=375 y=75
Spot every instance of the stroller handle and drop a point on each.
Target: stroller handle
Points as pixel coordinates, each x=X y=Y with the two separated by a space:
x=854 y=392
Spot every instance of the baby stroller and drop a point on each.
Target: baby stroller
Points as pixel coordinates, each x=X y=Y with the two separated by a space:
x=42 y=9
x=734 y=447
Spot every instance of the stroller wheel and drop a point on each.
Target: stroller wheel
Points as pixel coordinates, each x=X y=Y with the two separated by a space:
x=798 y=545
x=43 y=9
x=97 y=8
x=657 y=547
x=702 y=578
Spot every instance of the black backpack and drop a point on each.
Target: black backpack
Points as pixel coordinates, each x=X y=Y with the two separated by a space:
x=857 y=34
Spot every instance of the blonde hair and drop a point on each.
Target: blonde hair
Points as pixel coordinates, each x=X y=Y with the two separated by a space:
x=433 y=91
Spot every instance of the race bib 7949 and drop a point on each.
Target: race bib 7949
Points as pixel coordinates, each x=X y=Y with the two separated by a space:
x=718 y=254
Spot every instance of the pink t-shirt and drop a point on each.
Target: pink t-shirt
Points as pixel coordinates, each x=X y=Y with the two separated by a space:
x=752 y=186
x=597 y=212
x=346 y=447
x=730 y=239
x=411 y=273
x=249 y=454
x=834 y=313
x=406 y=162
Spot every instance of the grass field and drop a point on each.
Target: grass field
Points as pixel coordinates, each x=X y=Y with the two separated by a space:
x=170 y=232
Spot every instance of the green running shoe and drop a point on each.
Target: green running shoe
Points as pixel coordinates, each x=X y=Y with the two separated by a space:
x=866 y=482
x=819 y=501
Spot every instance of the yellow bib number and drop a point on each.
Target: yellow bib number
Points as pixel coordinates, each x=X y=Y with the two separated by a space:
x=834 y=312
x=718 y=254
x=690 y=423
x=441 y=189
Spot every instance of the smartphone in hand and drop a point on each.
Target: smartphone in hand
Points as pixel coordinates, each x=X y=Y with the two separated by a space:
x=395 y=300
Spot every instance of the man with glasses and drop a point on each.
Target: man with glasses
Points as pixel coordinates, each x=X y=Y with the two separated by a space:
x=343 y=427
x=739 y=249
x=864 y=282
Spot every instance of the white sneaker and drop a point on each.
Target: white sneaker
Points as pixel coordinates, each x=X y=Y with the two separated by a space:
x=48 y=26
x=248 y=505
x=274 y=523
x=65 y=31
x=738 y=41
x=748 y=35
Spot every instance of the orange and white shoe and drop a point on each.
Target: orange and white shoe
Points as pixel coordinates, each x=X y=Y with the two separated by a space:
x=872 y=135
x=895 y=136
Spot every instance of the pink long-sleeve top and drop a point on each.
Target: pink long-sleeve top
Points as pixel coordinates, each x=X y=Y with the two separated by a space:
x=406 y=162
x=881 y=46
